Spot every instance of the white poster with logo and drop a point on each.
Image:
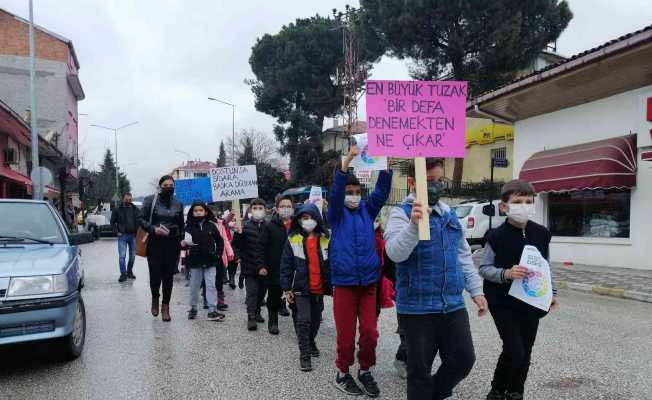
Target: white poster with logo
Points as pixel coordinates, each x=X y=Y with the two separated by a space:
x=316 y=197
x=536 y=288
x=364 y=161
x=234 y=183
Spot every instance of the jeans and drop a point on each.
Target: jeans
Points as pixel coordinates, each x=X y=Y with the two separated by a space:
x=429 y=334
x=208 y=276
x=126 y=240
x=306 y=314
x=518 y=336
x=401 y=352
x=255 y=295
x=355 y=305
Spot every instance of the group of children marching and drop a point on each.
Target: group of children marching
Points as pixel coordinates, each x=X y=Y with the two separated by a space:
x=296 y=258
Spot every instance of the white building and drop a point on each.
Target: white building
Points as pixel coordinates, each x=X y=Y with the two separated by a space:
x=583 y=137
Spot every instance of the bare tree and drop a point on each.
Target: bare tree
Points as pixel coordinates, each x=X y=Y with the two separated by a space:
x=265 y=148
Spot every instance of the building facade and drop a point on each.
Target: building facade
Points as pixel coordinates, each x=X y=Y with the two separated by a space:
x=58 y=91
x=193 y=169
x=586 y=150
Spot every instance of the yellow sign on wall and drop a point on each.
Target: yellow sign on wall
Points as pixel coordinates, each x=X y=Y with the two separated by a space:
x=483 y=131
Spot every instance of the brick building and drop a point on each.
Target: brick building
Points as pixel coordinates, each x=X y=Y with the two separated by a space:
x=58 y=90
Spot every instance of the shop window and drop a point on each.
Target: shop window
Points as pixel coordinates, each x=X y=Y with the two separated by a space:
x=499 y=153
x=589 y=213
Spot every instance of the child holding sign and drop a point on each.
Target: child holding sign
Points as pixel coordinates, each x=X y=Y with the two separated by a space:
x=355 y=274
x=517 y=322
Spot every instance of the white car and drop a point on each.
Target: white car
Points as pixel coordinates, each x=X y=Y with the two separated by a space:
x=474 y=222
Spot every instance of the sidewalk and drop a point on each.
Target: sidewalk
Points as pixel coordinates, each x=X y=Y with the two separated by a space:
x=625 y=283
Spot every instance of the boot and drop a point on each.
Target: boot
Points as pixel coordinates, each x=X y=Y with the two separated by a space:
x=251 y=324
x=283 y=311
x=165 y=313
x=273 y=323
x=155 y=306
x=306 y=363
x=495 y=394
x=513 y=396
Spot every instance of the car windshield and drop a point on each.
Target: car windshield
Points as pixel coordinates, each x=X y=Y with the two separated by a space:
x=29 y=222
x=462 y=211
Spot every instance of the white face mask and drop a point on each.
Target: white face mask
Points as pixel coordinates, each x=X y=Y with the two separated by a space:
x=521 y=213
x=285 y=212
x=308 y=225
x=352 y=201
x=258 y=215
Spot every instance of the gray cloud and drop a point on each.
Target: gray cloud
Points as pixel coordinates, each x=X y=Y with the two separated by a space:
x=157 y=61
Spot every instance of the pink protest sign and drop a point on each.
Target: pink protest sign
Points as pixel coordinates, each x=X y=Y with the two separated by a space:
x=416 y=118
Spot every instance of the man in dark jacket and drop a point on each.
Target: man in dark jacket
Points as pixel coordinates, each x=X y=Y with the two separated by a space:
x=249 y=241
x=276 y=235
x=124 y=220
x=355 y=271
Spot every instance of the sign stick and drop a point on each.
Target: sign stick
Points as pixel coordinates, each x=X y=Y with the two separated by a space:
x=422 y=196
x=238 y=216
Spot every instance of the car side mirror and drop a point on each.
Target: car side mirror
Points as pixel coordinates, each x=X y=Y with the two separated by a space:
x=489 y=210
x=80 y=238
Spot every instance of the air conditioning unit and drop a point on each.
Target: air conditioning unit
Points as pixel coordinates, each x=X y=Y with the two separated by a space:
x=10 y=156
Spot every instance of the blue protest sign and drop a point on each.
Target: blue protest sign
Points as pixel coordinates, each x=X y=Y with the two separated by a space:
x=189 y=190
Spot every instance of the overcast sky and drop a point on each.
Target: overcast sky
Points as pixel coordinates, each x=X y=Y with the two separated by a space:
x=157 y=61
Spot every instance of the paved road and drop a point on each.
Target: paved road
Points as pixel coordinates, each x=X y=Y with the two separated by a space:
x=592 y=348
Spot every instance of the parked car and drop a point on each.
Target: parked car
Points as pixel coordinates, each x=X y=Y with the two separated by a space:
x=41 y=278
x=474 y=222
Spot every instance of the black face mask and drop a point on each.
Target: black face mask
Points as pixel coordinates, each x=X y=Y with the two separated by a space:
x=167 y=192
x=435 y=188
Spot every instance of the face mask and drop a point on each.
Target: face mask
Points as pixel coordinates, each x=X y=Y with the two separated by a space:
x=308 y=225
x=521 y=213
x=258 y=215
x=167 y=192
x=352 y=201
x=285 y=212
x=434 y=192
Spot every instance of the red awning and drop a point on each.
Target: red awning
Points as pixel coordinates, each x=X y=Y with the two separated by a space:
x=604 y=164
x=15 y=176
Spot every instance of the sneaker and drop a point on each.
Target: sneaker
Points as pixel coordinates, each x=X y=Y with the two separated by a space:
x=346 y=384
x=260 y=319
x=252 y=325
x=232 y=286
x=215 y=316
x=131 y=275
x=314 y=351
x=123 y=277
x=241 y=284
x=283 y=312
x=496 y=395
x=222 y=307
x=306 y=364
x=513 y=396
x=401 y=368
x=205 y=304
x=369 y=385
x=192 y=313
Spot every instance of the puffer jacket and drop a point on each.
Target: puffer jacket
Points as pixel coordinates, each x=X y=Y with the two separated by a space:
x=295 y=271
x=276 y=236
x=250 y=247
x=208 y=245
x=354 y=260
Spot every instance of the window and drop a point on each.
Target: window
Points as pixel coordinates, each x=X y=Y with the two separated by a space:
x=499 y=153
x=589 y=213
x=201 y=174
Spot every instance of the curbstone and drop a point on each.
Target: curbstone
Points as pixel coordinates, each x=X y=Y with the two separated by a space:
x=605 y=291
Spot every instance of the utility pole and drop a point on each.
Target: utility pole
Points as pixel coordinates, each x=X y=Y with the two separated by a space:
x=37 y=191
x=232 y=127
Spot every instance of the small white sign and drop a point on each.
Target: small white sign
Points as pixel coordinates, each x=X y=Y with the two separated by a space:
x=234 y=183
x=364 y=161
x=364 y=176
x=315 y=197
x=536 y=288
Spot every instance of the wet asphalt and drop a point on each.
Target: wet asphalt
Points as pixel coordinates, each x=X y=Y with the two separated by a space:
x=591 y=348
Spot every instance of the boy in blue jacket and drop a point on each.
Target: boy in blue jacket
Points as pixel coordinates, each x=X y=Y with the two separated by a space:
x=355 y=272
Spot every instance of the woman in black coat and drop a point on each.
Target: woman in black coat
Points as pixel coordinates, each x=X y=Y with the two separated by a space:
x=164 y=245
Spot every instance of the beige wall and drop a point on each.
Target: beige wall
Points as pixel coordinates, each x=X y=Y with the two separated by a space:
x=477 y=164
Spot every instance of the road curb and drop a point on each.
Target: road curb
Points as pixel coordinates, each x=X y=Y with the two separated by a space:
x=606 y=291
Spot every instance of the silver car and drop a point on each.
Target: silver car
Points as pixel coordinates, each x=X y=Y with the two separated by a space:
x=41 y=278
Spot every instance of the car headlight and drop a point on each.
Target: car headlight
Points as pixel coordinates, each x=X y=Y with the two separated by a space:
x=38 y=285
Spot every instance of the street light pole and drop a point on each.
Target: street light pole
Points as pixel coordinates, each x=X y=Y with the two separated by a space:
x=117 y=168
x=37 y=190
x=232 y=127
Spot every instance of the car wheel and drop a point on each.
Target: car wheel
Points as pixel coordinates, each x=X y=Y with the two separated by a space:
x=73 y=344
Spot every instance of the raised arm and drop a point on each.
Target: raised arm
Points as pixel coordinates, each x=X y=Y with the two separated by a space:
x=379 y=196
